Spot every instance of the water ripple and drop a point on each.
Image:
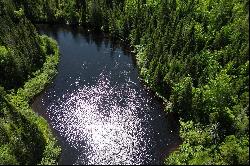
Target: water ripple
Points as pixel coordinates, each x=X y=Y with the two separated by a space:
x=107 y=118
x=104 y=123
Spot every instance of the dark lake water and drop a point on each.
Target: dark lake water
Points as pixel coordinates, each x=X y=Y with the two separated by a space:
x=97 y=107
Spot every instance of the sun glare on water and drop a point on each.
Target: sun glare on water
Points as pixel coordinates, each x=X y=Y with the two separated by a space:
x=103 y=122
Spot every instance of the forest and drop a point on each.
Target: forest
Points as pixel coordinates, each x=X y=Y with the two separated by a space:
x=192 y=53
x=27 y=63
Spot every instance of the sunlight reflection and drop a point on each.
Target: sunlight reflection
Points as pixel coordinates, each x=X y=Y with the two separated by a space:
x=103 y=119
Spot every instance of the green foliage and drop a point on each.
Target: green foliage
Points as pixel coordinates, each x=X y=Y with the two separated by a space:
x=181 y=96
x=18 y=58
x=25 y=138
x=200 y=146
x=19 y=13
x=235 y=151
x=193 y=53
x=6 y=156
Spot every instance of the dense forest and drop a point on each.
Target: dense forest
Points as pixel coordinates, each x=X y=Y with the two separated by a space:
x=27 y=63
x=192 y=53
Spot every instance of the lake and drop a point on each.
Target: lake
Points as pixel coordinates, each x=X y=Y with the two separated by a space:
x=97 y=107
